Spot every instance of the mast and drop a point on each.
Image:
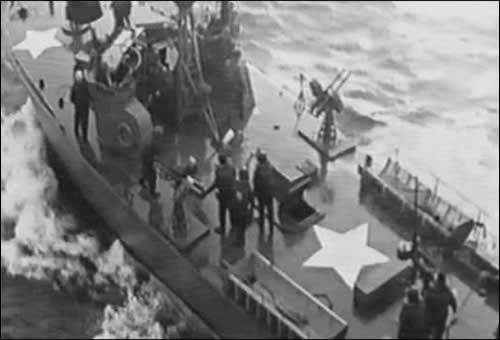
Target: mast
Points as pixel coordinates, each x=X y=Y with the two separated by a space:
x=190 y=84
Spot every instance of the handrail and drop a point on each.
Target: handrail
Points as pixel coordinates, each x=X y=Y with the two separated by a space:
x=425 y=171
x=488 y=240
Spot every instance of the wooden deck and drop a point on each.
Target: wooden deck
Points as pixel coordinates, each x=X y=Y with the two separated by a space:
x=114 y=193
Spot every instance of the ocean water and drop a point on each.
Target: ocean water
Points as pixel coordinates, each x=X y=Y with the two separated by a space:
x=427 y=70
x=424 y=83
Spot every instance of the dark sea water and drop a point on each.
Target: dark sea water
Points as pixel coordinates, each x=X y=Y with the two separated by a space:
x=33 y=310
x=425 y=82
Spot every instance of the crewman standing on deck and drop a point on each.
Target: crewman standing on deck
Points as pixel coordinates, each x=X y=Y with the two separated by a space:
x=412 y=323
x=262 y=181
x=243 y=186
x=225 y=182
x=439 y=298
x=238 y=215
x=241 y=209
x=149 y=173
x=80 y=97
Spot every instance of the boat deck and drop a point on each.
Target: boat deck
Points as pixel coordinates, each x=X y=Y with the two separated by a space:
x=348 y=220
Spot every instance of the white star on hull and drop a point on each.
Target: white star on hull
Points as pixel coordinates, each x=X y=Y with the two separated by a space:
x=347 y=253
x=37 y=42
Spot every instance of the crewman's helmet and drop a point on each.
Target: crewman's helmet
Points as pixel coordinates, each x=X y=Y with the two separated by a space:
x=79 y=76
x=261 y=157
x=192 y=161
x=222 y=159
x=441 y=278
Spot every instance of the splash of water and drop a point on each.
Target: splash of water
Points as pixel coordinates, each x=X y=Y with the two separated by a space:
x=39 y=242
x=145 y=315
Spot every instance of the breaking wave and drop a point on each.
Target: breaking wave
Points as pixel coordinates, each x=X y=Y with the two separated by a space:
x=148 y=314
x=39 y=241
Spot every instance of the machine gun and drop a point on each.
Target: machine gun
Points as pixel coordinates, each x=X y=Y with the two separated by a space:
x=327 y=103
x=322 y=95
x=328 y=98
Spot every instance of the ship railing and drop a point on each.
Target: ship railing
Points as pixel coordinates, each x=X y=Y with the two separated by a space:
x=34 y=90
x=426 y=179
x=439 y=198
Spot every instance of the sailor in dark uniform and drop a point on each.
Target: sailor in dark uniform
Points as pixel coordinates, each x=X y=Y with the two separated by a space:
x=439 y=298
x=149 y=170
x=80 y=97
x=262 y=181
x=238 y=212
x=412 y=318
x=243 y=186
x=225 y=181
x=241 y=208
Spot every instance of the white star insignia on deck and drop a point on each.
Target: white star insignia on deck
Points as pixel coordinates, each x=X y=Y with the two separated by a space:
x=37 y=42
x=347 y=253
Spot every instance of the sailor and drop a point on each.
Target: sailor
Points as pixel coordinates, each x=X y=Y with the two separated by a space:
x=439 y=298
x=225 y=181
x=412 y=317
x=181 y=190
x=80 y=97
x=262 y=181
x=241 y=210
x=238 y=211
x=184 y=184
x=149 y=173
x=121 y=12
x=243 y=186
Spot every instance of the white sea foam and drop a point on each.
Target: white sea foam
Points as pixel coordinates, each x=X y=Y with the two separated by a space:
x=40 y=243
